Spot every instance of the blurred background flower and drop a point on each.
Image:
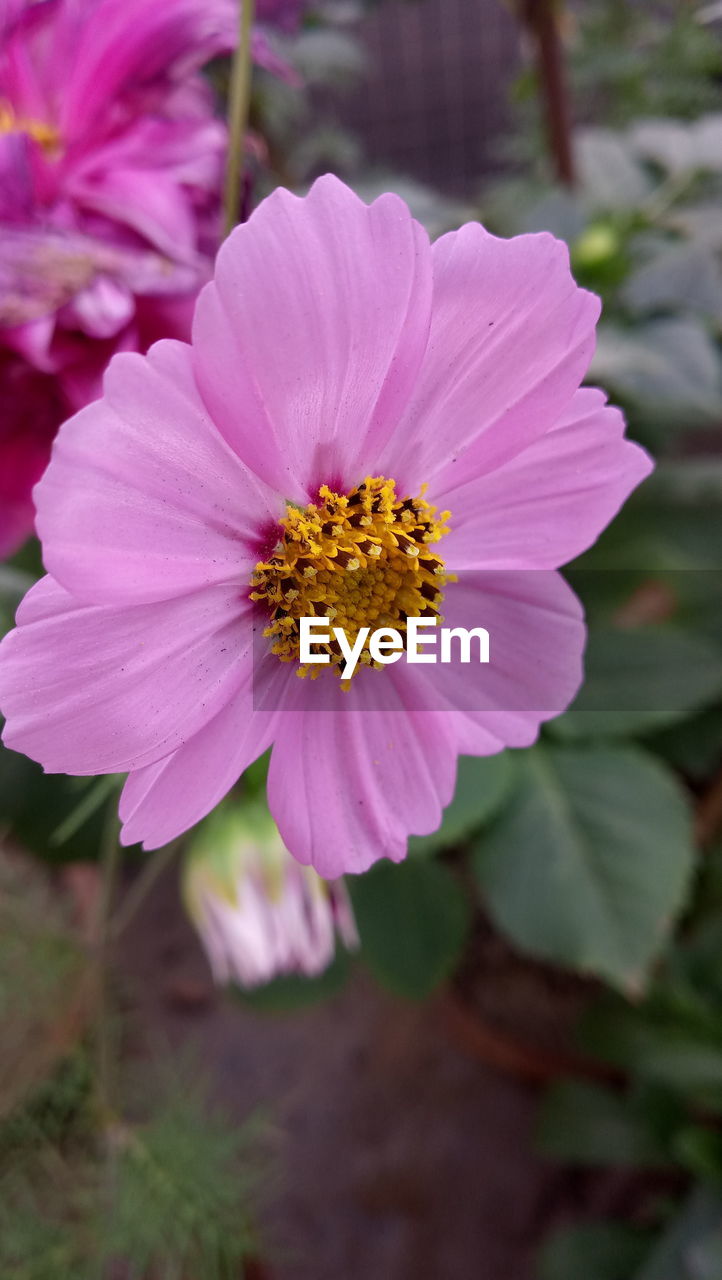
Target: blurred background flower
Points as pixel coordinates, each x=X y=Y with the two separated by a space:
x=259 y=913
x=110 y=161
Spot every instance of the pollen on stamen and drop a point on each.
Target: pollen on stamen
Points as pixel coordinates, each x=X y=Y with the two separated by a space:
x=366 y=570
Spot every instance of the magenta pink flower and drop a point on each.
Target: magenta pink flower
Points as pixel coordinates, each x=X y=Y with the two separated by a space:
x=108 y=120
x=110 y=167
x=30 y=416
x=67 y=302
x=360 y=417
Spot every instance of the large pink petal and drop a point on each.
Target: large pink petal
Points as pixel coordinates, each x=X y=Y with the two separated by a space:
x=308 y=343
x=163 y=800
x=511 y=339
x=549 y=503
x=348 y=783
x=143 y=500
x=89 y=689
x=537 y=635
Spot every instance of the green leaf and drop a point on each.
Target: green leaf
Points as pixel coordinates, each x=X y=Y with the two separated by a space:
x=682 y=277
x=594 y=1251
x=669 y=143
x=699 y=222
x=590 y=863
x=610 y=175
x=641 y=678
x=668 y=369
x=671 y=523
x=13 y=585
x=583 y=1123
x=662 y=1048
x=700 y=1150
x=413 y=920
x=695 y=747
x=482 y=785
x=686 y=1247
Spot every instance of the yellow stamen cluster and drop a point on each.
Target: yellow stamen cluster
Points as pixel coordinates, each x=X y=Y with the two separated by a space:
x=361 y=559
x=46 y=135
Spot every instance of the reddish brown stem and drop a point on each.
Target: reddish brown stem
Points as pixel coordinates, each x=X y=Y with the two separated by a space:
x=708 y=818
x=543 y=19
x=254 y=1269
x=515 y=1057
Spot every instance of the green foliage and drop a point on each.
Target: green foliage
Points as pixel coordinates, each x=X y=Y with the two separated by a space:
x=164 y=1199
x=589 y=1124
x=689 y=1249
x=666 y=371
x=43 y=981
x=58 y=817
x=630 y=60
x=589 y=865
x=180 y=1199
x=413 y=920
x=13 y=585
x=85 y=1190
x=694 y=747
x=595 y=1251
x=643 y=231
x=639 y=678
x=669 y=1048
x=483 y=784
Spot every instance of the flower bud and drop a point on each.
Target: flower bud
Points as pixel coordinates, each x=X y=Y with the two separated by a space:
x=259 y=913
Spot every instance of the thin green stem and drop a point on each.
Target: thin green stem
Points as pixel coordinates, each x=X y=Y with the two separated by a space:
x=140 y=889
x=110 y=855
x=239 y=99
x=94 y=796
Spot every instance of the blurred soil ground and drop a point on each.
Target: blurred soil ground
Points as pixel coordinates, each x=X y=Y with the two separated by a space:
x=397 y=1153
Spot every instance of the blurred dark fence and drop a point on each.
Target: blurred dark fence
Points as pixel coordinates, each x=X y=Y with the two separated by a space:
x=434 y=101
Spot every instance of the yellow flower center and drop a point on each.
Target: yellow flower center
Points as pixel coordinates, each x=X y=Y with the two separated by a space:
x=46 y=135
x=361 y=559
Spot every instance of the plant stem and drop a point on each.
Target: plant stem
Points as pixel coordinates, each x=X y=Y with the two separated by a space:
x=708 y=819
x=93 y=798
x=542 y=18
x=109 y=865
x=238 y=104
x=140 y=888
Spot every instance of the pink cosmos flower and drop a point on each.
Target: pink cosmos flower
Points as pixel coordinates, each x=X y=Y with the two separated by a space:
x=361 y=416
x=259 y=914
